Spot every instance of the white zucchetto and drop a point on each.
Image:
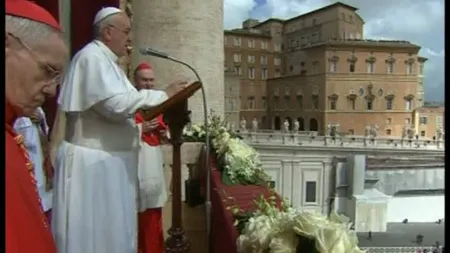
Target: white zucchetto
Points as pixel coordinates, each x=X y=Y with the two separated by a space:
x=105 y=12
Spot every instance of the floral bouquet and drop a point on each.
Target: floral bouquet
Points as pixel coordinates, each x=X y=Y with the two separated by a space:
x=270 y=229
x=239 y=162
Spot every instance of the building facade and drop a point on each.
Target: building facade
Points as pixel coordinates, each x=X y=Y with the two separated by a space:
x=324 y=73
x=232 y=98
x=429 y=120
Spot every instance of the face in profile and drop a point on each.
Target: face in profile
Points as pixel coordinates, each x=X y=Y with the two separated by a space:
x=144 y=79
x=118 y=34
x=32 y=73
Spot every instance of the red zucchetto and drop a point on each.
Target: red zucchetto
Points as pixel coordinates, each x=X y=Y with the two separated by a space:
x=31 y=11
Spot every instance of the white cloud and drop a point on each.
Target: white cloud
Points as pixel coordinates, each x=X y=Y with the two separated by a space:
x=236 y=11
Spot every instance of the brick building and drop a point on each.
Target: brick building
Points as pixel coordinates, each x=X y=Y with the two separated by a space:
x=322 y=72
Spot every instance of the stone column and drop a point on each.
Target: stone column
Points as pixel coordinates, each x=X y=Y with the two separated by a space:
x=191 y=31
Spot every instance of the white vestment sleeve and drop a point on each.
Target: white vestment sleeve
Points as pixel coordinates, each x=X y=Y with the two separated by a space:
x=125 y=105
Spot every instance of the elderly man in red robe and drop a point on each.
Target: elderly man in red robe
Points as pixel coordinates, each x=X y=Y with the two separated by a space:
x=152 y=187
x=35 y=55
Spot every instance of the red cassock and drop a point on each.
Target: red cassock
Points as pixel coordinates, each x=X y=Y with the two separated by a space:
x=151 y=237
x=26 y=229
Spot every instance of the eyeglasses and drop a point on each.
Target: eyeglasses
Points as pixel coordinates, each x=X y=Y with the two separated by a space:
x=53 y=75
x=124 y=31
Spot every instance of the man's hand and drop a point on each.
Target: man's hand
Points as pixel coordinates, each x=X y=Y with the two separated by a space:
x=175 y=87
x=36 y=117
x=149 y=126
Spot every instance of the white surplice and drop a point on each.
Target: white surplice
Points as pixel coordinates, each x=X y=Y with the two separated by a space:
x=95 y=199
x=152 y=186
x=32 y=142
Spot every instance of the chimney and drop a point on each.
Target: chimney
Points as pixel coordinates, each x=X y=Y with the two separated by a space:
x=249 y=23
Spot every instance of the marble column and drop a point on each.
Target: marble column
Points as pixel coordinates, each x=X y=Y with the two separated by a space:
x=191 y=31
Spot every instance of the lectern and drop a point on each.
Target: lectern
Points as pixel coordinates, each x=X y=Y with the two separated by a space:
x=176 y=115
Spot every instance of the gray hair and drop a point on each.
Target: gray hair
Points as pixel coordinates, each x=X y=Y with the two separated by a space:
x=29 y=31
x=99 y=26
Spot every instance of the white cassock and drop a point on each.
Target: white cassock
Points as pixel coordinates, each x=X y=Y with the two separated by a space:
x=152 y=185
x=95 y=199
x=32 y=139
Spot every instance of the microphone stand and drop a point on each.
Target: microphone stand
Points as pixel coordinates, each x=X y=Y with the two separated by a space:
x=207 y=144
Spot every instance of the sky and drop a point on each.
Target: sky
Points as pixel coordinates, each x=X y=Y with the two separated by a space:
x=418 y=21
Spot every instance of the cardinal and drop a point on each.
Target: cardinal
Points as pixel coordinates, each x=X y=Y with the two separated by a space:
x=33 y=43
x=152 y=186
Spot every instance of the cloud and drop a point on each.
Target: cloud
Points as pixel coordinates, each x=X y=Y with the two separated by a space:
x=421 y=22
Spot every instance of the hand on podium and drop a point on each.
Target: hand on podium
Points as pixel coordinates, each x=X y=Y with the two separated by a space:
x=176 y=87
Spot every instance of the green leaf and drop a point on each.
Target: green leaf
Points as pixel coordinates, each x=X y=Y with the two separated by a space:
x=226 y=179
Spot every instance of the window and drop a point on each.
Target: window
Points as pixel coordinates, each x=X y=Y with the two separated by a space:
x=251 y=59
x=369 y=105
x=277 y=47
x=423 y=120
x=277 y=73
x=388 y=132
x=439 y=122
x=263 y=102
x=251 y=73
x=409 y=68
x=352 y=67
x=361 y=91
x=422 y=133
x=333 y=66
x=408 y=105
x=264 y=45
x=237 y=42
x=390 y=67
x=350 y=18
x=389 y=104
x=314 y=38
x=300 y=101
x=351 y=131
x=314 y=21
x=251 y=43
x=291 y=68
x=333 y=104
x=292 y=43
x=238 y=70
x=251 y=103
x=420 y=68
x=315 y=67
x=352 y=104
x=370 y=67
x=277 y=60
x=315 y=102
x=310 y=193
x=237 y=57
x=263 y=59
x=264 y=73
x=389 y=121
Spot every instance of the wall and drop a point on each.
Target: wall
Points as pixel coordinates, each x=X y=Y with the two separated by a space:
x=232 y=98
x=416 y=208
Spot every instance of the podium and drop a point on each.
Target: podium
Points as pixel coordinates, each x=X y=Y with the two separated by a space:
x=176 y=115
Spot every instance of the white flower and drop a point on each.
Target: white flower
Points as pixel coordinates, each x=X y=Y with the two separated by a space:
x=284 y=243
x=257 y=235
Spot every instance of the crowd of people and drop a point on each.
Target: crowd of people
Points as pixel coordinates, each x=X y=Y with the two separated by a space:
x=94 y=184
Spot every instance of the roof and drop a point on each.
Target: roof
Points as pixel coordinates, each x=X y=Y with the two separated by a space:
x=379 y=162
x=431 y=108
x=245 y=32
x=368 y=43
x=404 y=235
x=323 y=9
x=277 y=20
x=371 y=195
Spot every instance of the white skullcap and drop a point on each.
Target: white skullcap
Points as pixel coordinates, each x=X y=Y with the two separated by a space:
x=105 y=12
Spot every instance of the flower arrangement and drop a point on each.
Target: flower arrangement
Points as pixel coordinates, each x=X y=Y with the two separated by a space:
x=270 y=229
x=239 y=162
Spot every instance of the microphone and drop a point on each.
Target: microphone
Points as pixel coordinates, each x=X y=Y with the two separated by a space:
x=208 y=205
x=152 y=52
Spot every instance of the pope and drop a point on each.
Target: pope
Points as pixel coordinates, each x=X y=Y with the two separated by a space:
x=35 y=55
